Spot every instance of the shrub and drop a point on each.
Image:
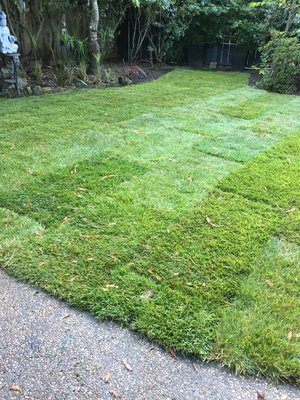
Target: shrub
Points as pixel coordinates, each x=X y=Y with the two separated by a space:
x=281 y=64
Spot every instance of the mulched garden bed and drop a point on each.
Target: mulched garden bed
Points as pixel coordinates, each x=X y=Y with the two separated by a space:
x=52 y=80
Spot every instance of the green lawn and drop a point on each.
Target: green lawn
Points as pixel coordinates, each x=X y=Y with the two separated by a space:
x=171 y=207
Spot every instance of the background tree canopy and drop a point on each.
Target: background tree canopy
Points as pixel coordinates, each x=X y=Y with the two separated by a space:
x=57 y=32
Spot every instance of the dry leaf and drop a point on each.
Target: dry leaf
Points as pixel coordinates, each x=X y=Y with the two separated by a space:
x=291 y=210
x=66 y=316
x=127 y=366
x=147 y=295
x=113 y=393
x=30 y=171
x=2 y=385
x=86 y=222
x=210 y=223
x=106 y=377
x=138 y=132
x=107 y=177
x=74 y=171
x=195 y=367
x=90 y=236
x=297 y=335
x=158 y=278
x=284 y=397
x=150 y=271
x=172 y=352
x=15 y=388
x=111 y=286
x=190 y=179
x=269 y=283
x=176 y=274
x=260 y=396
x=290 y=335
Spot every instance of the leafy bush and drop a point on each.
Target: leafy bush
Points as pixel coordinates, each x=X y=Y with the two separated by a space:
x=281 y=64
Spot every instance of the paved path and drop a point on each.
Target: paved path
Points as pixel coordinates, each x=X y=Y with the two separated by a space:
x=51 y=351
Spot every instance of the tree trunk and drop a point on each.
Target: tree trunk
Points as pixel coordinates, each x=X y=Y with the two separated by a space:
x=291 y=15
x=94 y=49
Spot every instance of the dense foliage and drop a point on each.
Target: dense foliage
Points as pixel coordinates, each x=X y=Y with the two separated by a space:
x=281 y=64
x=51 y=31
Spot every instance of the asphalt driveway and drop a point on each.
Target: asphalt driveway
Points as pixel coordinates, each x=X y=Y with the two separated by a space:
x=50 y=351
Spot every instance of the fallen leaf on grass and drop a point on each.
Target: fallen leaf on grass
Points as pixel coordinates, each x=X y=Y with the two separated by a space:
x=106 y=377
x=291 y=210
x=147 y=295
x=107 y=177
x=293 y=335
x=113 y=393
x=269 y=283
x=110 y=286
x=74 y=171
x=90 y=236
x=15 y=388
x=287 y=305
x=86 y=222
x=127 y=366
x=30 y=171
x=190 y=179
x=210 y=223
x=150 y=271
x=138 y=132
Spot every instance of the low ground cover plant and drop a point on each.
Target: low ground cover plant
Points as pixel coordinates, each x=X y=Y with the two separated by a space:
x=170 y=207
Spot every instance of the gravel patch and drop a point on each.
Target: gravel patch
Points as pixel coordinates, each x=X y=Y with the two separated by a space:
x=49 y=351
